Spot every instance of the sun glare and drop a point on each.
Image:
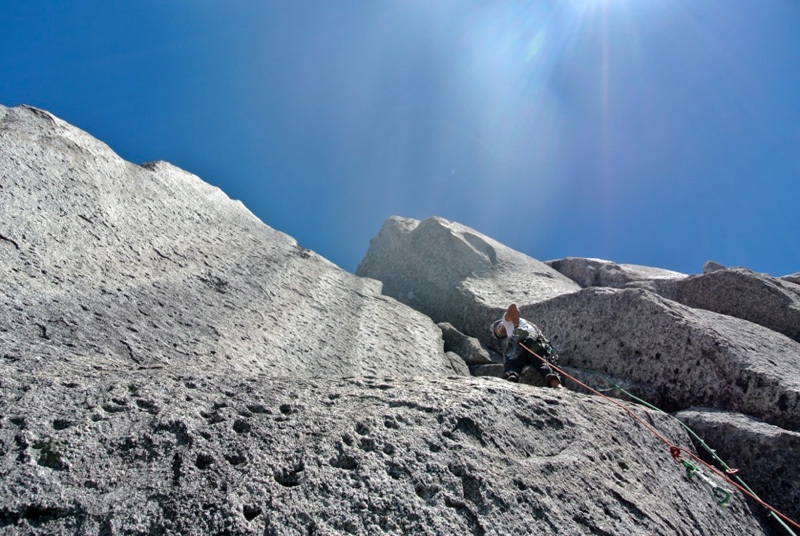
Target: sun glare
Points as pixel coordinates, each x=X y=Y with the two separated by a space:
x=537 y=64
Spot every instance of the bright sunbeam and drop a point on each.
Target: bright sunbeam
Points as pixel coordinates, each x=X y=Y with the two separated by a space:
x=520 y=55
x=540 y=74
x=589 y=122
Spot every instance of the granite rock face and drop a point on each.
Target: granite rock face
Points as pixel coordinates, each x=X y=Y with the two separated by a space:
x=171 y=365
x=600 y=273
x=468 y=348
x=114 y=265
x=739 y=292
x=722 y=340
x=760 y=298
x=768 y=457
x=687 y=357
x=712 y=266
x=168 y=452
x=455 y=274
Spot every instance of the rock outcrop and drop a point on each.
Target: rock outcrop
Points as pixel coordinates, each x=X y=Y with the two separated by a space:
x=600 y=273
x=171 y=365
x=688 y=357
x=767 y=457
x=111 y=264
x=455 y=274
x=719 y=340
x=712 y=266
x=469 y=349
x=759 y=298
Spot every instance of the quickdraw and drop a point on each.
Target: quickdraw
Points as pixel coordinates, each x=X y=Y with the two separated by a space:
x=721 y=495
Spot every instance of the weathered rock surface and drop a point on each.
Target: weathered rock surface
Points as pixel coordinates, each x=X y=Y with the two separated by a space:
x=739 y=292
x=712 y=266
x=468 y=348
x=171 y=365
x=627 y=324
x=167 y=452
x=771 y=302
x=689 y=357
x=457 y=363
x=116 y=265
x=455 y=274
x=601 y=273
x=768 y=457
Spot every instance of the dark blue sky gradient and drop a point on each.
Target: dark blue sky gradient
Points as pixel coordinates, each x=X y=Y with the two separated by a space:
x=655 y=132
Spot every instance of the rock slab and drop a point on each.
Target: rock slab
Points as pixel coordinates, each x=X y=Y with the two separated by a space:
x=113 y=265
x=767 y=457
x=160 y=452
x=455 y=274
x=759 y=298
x=171 y=365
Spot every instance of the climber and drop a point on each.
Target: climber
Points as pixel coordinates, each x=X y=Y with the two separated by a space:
x=517 y=332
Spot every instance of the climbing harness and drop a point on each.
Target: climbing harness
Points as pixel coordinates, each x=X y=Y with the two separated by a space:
x=677 y=454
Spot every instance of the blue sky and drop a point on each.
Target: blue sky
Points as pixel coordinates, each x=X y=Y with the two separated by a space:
x=655 y=132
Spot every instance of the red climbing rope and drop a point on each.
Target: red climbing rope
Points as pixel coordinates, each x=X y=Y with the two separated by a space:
x=675 y=451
